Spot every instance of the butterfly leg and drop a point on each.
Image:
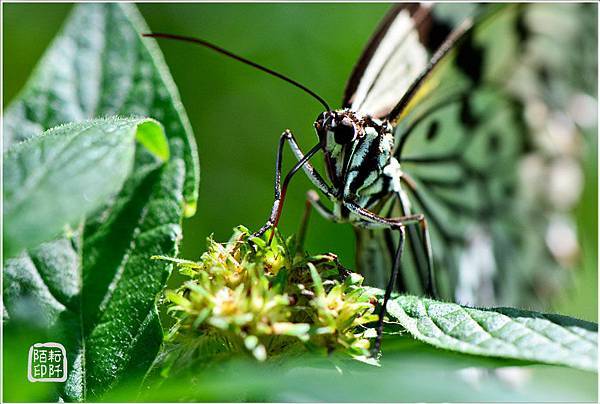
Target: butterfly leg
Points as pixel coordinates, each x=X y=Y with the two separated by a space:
x=313 y=202
x=280 y=189
x=389 y=288
x=430 y=288
x=396 y=265
x=425 y=238
x=313 y=199
x=303 y=226
x=399 y=223
x=419 y=219
x=370 y=219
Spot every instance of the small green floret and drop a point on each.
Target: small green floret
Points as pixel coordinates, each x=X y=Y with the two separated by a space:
x=263 y=299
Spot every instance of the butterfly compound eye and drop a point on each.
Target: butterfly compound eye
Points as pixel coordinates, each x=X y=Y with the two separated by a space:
x=344 y=132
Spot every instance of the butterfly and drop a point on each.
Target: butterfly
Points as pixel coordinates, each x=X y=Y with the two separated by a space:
x=422 y=155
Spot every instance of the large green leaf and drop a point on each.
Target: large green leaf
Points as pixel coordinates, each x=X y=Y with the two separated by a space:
x=499 y=332
x=59 y=177
x=94 y=289
x=99 y=65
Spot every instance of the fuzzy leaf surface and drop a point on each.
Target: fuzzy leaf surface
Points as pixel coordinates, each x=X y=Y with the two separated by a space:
x=499 y=332
x=62 y=175
x=99 y=65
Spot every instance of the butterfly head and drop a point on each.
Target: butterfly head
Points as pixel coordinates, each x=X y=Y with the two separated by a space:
x=337 y=128
x=343 y=127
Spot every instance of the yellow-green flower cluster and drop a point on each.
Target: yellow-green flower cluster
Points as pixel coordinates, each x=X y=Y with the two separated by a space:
x=248 y=295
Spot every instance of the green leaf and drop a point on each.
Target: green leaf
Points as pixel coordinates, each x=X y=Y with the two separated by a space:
x=100 y=65
x=94 y=289
x=499 y=332
x=94 y=292
x=60 y=176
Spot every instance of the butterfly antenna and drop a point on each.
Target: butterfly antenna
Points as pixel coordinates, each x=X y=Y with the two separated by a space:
x=222 y=51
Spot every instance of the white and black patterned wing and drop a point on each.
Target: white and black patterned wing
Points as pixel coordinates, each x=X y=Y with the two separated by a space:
x=394 y=57
x=472 y=155
x=459 y=137
x=461 y=141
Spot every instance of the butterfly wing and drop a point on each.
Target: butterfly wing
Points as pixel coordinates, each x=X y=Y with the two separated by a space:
x=460 y=140
x=461 y=143
x=393 y=58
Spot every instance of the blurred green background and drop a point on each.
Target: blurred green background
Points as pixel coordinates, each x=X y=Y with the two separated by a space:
x=238 y=113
